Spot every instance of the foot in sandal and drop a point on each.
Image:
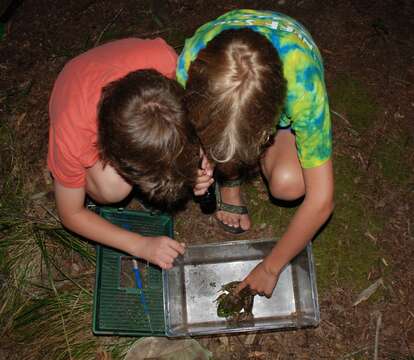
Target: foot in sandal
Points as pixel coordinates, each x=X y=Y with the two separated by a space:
x=231 y=214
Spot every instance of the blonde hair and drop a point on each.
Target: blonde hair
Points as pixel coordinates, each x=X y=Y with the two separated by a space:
x=235 y=92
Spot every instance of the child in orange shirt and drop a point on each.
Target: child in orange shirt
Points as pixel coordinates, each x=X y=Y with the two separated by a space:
x=117 y=120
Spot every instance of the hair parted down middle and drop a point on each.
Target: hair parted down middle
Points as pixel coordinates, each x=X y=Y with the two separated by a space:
x=235 y=92
x=145 y=135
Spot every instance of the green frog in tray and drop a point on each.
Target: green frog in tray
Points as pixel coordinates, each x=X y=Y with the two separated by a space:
x=235 y=306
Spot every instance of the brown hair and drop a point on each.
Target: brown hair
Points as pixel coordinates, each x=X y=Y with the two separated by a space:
x=145 y=135
x=235 y=92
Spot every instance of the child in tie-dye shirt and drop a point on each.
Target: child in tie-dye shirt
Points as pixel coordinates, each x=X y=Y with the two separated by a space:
x=256 y=94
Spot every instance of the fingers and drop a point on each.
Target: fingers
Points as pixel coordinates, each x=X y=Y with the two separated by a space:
x=245 y=283
x=204 y=162
x=168 y=251
x=165 y=261
x=203 y=182
x=255 y=291
x=206 y=169
x=161 y=250
x=241 y=286
x=259 y=281
x=200 y=173
x=206 y=166
x=204 y=177
x=200 y=189
x=179 y=248
x=165 y=265
x=260 y=293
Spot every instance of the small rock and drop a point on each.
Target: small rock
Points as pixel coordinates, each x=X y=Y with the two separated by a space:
x=380 y=204
x=224 y=340
x=38 y=196
x=338 y=308
x=250 y=339
x=75 y=268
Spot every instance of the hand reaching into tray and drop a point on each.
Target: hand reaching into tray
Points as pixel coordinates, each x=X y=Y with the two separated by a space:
x=160 y=250
x=235 y=305
x=260 y=280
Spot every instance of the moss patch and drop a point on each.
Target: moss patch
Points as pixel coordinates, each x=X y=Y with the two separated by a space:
x=344 y=254
x=176 y=38
x=350 y=97
x=390 y=155
x=264 y=212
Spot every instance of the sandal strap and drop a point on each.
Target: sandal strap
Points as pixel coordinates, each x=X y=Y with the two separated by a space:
x=232 y=183
x=235 y=209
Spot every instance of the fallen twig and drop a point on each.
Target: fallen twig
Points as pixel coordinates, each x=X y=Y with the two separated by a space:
x=153 y=33
x=107 y=26
x=50 y=212
x=350 y=355
x=342 y=117
x=365 y=294
x=372 y=237
x=347 y=123
x=377 y=329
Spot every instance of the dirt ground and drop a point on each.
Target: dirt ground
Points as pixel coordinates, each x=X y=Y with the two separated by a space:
x=369 y=42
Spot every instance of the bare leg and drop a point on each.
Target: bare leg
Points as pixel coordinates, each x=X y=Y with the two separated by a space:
x=105 y=185
x=281 y=168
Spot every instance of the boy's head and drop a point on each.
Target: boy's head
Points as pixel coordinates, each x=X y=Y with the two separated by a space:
x=144 y=134
x=235 y=92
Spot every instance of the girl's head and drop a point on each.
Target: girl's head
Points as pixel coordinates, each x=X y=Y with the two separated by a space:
x=144 y=133
x=235 y=92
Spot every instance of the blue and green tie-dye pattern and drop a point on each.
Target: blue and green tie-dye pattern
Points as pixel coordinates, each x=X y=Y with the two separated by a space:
x=306 y=107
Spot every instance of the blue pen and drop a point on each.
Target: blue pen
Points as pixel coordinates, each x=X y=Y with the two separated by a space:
x=138 y=282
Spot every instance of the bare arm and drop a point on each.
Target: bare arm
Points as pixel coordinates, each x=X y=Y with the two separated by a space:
x=310 y=216
x=158 y=250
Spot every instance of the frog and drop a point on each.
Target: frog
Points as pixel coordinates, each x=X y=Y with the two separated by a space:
x=235 y=306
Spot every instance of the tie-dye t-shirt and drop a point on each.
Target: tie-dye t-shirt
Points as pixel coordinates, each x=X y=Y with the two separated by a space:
x=306 y=107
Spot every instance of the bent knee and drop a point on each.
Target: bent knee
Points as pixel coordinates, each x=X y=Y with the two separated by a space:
x=109 y=191
x=109 y=196
x=286 y=187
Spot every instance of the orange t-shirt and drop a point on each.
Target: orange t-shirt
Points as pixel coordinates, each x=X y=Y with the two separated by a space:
x=76 y=93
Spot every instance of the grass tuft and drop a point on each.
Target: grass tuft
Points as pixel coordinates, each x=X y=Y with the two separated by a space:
x=45 y=306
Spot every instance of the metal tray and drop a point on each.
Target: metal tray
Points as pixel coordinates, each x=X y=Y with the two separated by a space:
x=191 y=287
